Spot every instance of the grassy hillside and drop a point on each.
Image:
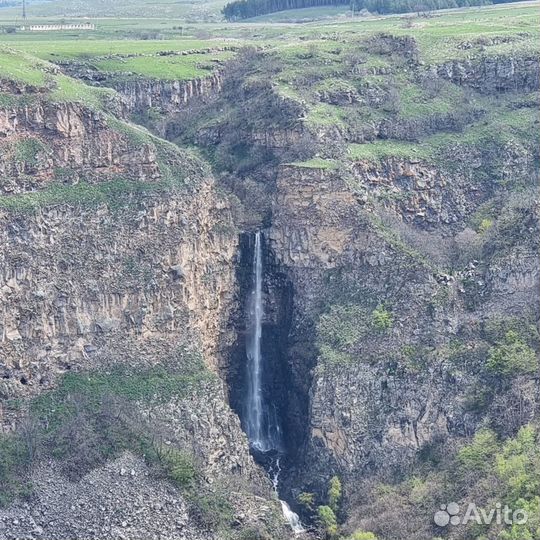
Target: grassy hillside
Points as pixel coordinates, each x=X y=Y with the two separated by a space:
x=197 y=10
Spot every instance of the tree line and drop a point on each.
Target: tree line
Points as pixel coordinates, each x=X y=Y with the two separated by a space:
x=245 y=9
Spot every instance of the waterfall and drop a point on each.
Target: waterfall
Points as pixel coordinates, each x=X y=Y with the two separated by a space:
x=261 y=419
x=292 y=518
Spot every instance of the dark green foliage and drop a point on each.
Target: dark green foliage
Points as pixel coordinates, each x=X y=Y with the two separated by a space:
x=179 y=466
x=92 y=417
x=328 y=521
x=27 y=151
x=15 y=461
x=251 y=534
x=381 y=318
x=212 y=510
x=245 y=9
x=512 y=356
x=338 y=330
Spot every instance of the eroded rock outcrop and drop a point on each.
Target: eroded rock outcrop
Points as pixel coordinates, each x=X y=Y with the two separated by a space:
x=494 y=74
x=126 y=260
x=166 y=96
x=49 y=141
x=398 y=389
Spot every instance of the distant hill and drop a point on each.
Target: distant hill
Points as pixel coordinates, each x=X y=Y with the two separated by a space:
x=197 y=10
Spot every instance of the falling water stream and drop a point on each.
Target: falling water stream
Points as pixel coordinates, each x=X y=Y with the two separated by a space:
x=261 y=419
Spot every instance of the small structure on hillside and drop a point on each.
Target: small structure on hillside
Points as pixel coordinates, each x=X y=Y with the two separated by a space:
x=58 y=27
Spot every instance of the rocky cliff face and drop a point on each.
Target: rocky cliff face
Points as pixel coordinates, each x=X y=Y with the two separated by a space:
x=166 y=96
x=116 y=279
x=110 y=287
x=379 y=395
x=494 y=74
x=45 y=141
x=117 y=250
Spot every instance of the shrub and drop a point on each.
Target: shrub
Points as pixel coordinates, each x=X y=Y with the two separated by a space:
x=512 y=357
x=306 y=500
x=339 y=330
x=518 y=465
x=14 y=465
x=361 y=535
x=252 y=533
x=179 y=467
x=381 y=318
x=334 y=493
x=529 y=530
x=479 y=454
x=213 y=510
x=485 y=225
x=328 y=520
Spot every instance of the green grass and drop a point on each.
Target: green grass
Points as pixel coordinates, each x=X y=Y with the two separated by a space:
x=71 y=90
x=381 y=149
x=315 y=163
x=80 y=49
x=163 y=59
x=115 y=194
x=415 y=103
x=160 y=383
x=21 y=68
x=503 y=125
x=165 y=67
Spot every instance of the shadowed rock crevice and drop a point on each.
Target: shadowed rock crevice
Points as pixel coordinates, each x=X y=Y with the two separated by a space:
x=285 y=389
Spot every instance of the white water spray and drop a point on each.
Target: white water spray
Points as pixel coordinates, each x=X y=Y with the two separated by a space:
x=290 y=516
x=254 y=416
x=261 y=419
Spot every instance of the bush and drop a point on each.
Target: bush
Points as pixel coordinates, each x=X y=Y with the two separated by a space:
x=212 y=510
x=381 y=318
x=252 y=534
x=334 y=493
x=328 y=520
x=339 y=330
x=14 y=466
x=518 y=465
x=512 y=357
x=361 y=535
x=306 y=500
x=478 y=456
x=529 y=530
x=179 y=467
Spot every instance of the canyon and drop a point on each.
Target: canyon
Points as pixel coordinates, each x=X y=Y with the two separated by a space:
x=245 y=311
